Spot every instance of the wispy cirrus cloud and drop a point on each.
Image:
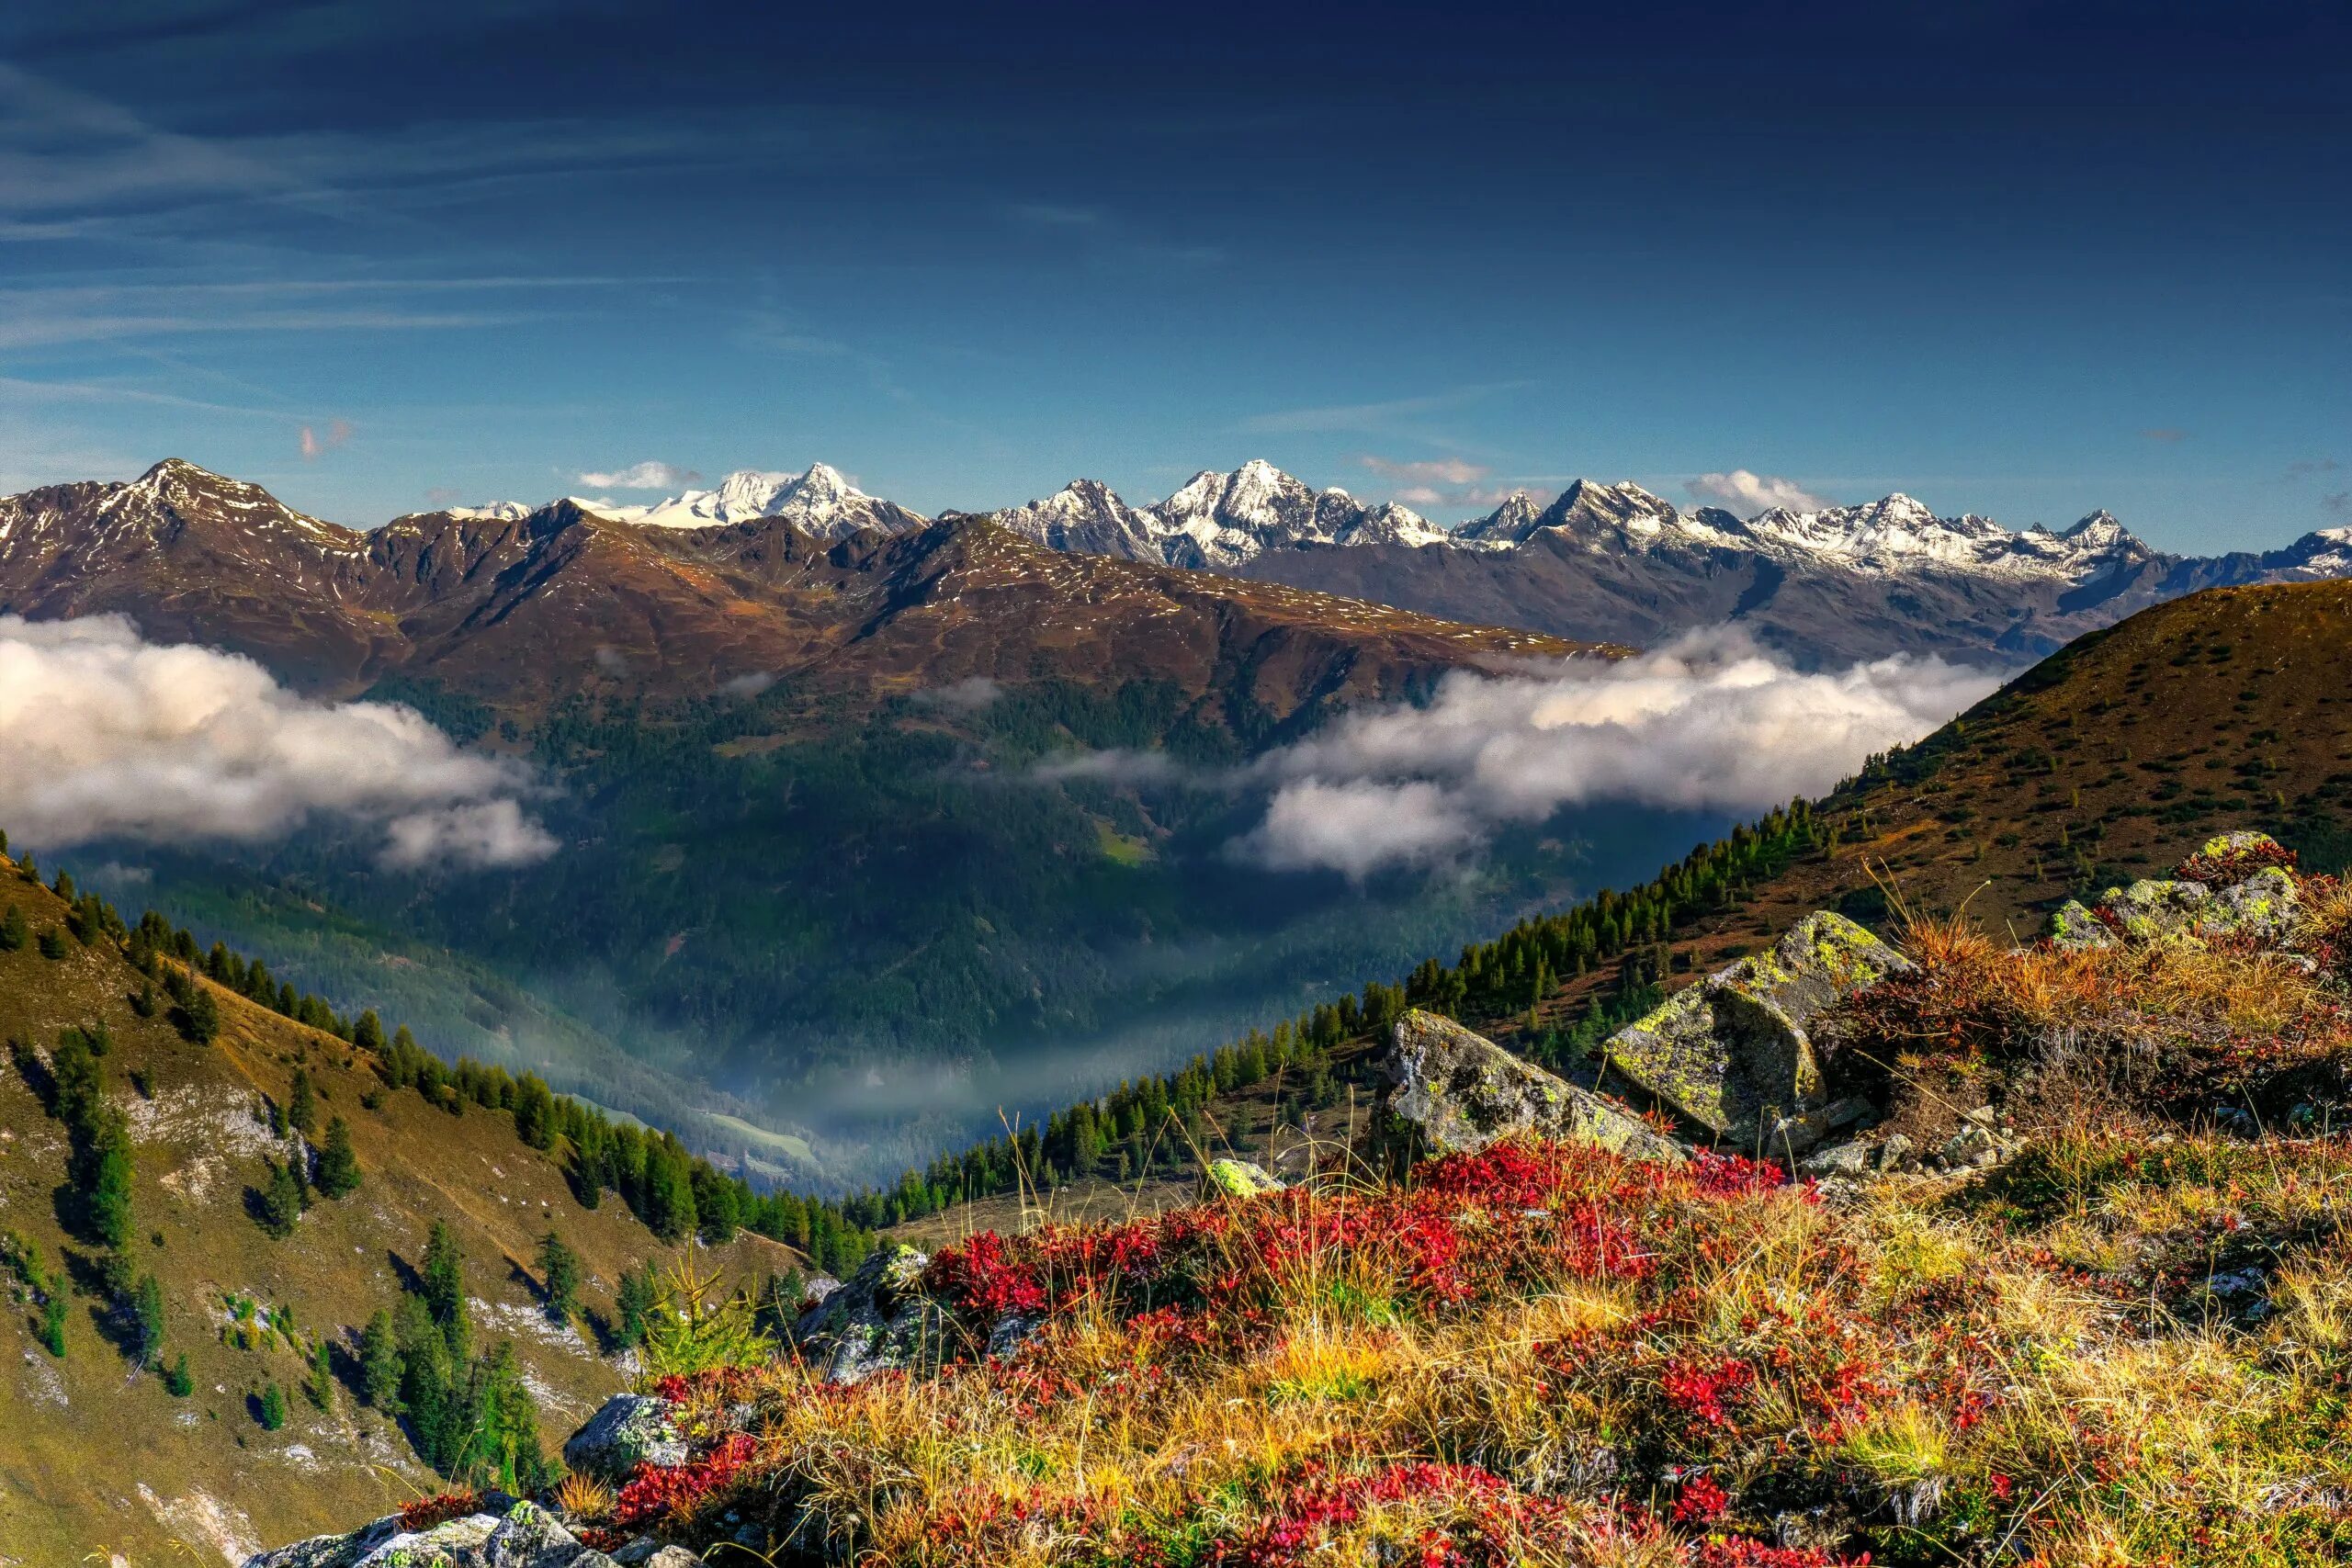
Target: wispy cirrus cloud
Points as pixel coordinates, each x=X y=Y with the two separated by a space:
x=648 y=475
x=1429 y=471
x=1747 y=493
x=1098 y=236
x=1401 y=417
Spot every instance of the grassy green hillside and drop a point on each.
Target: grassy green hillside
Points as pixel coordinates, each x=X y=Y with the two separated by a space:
x=99 y=1453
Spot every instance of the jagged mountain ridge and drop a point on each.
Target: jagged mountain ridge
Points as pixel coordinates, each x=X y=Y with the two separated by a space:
x=1599 y=562
x=509 y=607
x=1614 y=562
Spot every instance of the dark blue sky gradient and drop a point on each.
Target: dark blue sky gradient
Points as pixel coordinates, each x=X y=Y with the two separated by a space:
x=2019 y=259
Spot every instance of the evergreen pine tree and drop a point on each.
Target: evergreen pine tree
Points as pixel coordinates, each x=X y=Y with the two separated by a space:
x=426 y=1396
x=302 y=1103
x=148 y=1306
x=639 y=1291
x=444 y=1287
x=559 y=1277
x=281 y=1201
x=338 y=1165
x=110 y=1186
x=379 y=1364
x=273 y=1408
x=199 y=1017
x=13 y=932
x=52 y=1316
x=318 y=1384
x=506 y=1429
x=178 y=1382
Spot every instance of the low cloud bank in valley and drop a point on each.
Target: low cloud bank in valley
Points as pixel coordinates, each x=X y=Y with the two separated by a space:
x=1709 y=722
x=104 y=734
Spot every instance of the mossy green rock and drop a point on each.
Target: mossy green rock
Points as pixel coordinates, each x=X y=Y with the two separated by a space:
x=1238 y=1178
x=1457 y=1091
x=1732 y=1053
x=2266 y=908
x=2152 y=911
x=2244 y=841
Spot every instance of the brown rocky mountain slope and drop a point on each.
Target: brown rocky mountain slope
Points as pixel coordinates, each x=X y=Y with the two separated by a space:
x=2109 y=760
x=520 y=612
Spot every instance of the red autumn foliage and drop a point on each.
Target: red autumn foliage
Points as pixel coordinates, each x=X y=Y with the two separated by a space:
x=659 y=1492
x=439 y=1509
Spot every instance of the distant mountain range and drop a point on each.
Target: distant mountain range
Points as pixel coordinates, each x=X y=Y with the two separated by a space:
x=1599 y=561
x=519 y=607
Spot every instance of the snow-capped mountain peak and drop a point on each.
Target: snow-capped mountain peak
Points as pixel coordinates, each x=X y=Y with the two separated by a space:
x=818 y=499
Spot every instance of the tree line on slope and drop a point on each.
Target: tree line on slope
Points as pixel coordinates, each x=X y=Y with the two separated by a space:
x=1146 y=1124
x=674 y=1192
x=1158 y=1122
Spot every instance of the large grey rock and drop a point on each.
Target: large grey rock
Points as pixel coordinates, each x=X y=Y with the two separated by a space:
x=2265 y=907
x=502 y=1534
x=1460 y=1091
x=877 y=1321
x=2155 y=912
x=1732 y=1053
x=631 y=1430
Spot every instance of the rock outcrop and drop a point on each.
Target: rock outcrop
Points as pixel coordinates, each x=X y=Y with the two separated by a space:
x=877 y=1321
x=1732 y=1054
x=1456 y=1092
x=499 y=1533
x=2236 y=887
x=630 y=1430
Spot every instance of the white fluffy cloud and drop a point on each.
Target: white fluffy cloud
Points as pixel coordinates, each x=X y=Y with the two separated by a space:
x=648 y=475
x=104 y=734
x=1708 y=722
x=1749 y=493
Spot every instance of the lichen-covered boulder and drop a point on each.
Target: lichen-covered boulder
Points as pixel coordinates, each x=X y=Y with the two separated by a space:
x=530 y=1537
x=1732 y=1053
x=1238 y=1178
x=2234 y=857
x=1457 y=1092
x=2154 y=911
x=878 y=1320
x=630 y=1430
x=646 y=1552
x=2077 y=928
x=2265 y=907
x=500 y=1533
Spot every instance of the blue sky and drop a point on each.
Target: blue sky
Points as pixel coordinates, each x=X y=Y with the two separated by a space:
x=2021 y=259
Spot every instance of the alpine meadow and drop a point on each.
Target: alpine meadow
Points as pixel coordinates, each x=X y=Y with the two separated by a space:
x=1648 y=871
